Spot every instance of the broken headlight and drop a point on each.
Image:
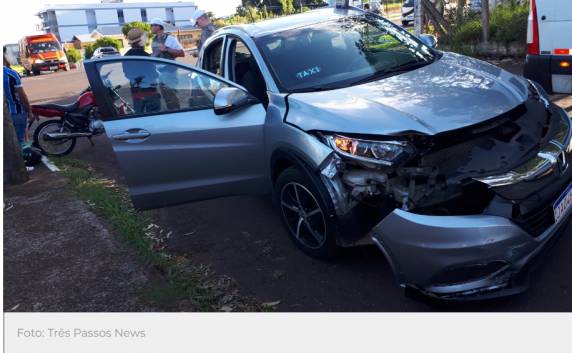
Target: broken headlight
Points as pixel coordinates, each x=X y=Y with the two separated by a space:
x=385 y=153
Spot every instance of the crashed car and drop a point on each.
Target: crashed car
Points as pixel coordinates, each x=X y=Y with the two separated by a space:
x=456 y=169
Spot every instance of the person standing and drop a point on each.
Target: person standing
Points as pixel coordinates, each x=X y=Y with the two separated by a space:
x=201 y=19
x=17 y=100
x=137 y=39
x=166 y=46
x=142 y=76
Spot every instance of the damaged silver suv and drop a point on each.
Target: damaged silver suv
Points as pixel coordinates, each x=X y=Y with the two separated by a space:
x=456 y=169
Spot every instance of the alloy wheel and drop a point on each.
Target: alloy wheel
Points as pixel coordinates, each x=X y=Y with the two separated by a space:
x=303 y=215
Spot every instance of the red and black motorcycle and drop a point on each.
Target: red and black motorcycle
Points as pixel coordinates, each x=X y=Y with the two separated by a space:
x=79 y=119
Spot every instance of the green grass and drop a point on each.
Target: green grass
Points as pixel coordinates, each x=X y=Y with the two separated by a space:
x=183 y=279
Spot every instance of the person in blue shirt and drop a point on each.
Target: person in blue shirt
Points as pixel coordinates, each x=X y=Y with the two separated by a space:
x=16 y=100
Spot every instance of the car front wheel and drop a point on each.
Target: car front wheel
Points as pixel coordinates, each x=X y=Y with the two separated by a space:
x=306 y=210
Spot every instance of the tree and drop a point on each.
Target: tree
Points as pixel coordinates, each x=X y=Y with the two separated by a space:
x=136 y=24
x=101 y=42
x=485 y=18
x=14 y=167
x=287 y=7
x=73 y=55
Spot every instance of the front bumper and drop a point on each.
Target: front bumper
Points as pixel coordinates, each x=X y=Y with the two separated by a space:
x=407 y=18
x=471 y=257
x=50 y=66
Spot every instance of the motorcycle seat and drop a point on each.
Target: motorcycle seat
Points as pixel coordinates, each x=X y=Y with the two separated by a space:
x=68 y=108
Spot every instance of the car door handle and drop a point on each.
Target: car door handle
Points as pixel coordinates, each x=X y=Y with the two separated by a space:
x=132 y=135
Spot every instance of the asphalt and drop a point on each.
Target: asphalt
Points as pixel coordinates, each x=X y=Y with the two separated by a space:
x=243 y=237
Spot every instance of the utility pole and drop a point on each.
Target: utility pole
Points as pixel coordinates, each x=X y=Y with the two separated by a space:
x=419 y=14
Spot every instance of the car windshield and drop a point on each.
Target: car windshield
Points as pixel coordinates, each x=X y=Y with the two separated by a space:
x=408 y=3
x=44 y=47
x=108 y=50
x=340 y=52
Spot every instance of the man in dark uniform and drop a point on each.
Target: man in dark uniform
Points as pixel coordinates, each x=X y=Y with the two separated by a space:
x=201 y=19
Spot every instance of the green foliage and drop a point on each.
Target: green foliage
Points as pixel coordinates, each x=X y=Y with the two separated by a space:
x=287 y=7
x=73 y=55
x=144 y=26
x=101 y=42
x=468 y=33
x=508 y=23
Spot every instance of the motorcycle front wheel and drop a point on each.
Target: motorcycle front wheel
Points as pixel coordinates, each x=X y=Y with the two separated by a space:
x=53 y=147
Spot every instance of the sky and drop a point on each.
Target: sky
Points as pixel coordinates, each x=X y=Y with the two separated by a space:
x=20 y=19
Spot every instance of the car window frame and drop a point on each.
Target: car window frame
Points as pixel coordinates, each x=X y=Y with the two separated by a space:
x=228 y=59
x=223 y=50
x=107 y=110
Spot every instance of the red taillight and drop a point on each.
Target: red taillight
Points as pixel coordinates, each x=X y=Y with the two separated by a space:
x=562 y=51
x=534 y=40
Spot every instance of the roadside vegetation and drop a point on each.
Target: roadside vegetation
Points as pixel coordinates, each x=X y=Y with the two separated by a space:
x=507 y=25
x=184 y=280
x=101 y=42
x=73 y=55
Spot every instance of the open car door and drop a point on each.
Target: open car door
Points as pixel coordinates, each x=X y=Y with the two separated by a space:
x=171 y=146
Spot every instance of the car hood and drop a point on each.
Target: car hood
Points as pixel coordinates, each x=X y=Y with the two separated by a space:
x=452 y=93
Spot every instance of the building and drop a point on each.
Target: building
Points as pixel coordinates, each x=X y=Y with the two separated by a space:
x=80 y=41
x=67 y=21
x=188 y=36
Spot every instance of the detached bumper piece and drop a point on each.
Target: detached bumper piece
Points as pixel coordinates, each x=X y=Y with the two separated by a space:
x=481 y=256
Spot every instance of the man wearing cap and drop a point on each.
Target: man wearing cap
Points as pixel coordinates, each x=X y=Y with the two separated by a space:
x=201 y=19
x=137 y=39
x=143 y=77
x=164 y=45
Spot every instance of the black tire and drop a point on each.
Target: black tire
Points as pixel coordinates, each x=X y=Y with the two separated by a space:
x=36 y=72
x=405 y=23
x=53 y=148
x=316 y=232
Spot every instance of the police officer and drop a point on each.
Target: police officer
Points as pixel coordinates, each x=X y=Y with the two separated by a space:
x=164 y=45
x=201 y=19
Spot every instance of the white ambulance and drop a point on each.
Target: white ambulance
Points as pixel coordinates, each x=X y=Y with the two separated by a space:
x=549 y=58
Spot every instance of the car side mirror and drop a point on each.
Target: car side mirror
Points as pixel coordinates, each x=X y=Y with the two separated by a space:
x=229 y=99
x=429 y=40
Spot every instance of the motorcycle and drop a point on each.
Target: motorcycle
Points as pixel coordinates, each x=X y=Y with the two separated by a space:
x=76 y=120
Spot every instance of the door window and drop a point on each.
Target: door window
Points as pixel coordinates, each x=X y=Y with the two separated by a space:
x=244 y=70
x=139 y=87
x=212 y=57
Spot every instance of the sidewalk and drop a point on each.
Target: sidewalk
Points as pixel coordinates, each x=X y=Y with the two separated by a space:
x=59 y=256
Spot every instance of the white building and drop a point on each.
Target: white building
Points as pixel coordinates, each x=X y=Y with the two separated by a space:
x=65 y=21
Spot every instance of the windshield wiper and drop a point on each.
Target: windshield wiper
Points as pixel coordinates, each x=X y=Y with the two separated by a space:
x=384 y=73
x=313 y=89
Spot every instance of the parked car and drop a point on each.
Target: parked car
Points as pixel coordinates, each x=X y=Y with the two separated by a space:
x=549 y=58
x=475 y=6
x=407 y=12
x=103 y=52
x=455 y=168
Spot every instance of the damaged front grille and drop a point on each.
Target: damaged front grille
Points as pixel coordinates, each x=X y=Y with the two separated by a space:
x=442 y=176
x=537 y=222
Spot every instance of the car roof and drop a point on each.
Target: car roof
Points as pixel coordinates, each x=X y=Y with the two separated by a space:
x=280 y=24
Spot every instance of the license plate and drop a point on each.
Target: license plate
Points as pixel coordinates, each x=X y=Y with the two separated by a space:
x=563 y=204
x=54 y=67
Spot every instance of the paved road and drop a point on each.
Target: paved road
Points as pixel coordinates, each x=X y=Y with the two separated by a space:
x=243 y=237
